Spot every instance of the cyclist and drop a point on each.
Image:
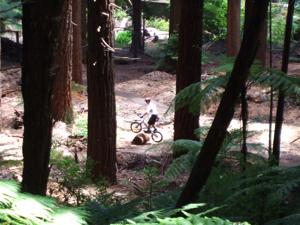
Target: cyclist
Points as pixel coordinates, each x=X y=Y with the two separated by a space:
x=153 y=114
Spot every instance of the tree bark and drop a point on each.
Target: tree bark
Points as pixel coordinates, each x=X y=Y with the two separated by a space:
x=41 y=25
x=84 y=30
x=262 y=48
x=136 y=43
x=77 y=48
x=175 y=11
x=61 y=99
x=233 y=27
x=281 y=97
x=189 y=65
x=101 y=97
x=225 y=112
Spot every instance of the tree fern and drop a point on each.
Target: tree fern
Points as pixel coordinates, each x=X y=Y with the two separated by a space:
x=279 y=81
x=187 y=151
x=265 y=196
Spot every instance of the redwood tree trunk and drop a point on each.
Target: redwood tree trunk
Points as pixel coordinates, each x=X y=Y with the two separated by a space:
x=101 y=97
x=225 y=112
x=284 y=68
x=77 y=48
x=233 y=27
x=136 y=43
x=175 y=12
x=189 y=65
x=41 y=21
x=61 y=99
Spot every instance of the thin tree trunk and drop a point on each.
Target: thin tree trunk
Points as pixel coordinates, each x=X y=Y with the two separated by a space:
x=77 y=48
x=175 y=11
x=41 y=25
x=271 y=89
x=189 y=65
x=84 y=30
x=61 y=99
x=101 y=97
x=244 y=113
x=136 y=43
x=225 y=112
x=233 y=27
x=284 y=68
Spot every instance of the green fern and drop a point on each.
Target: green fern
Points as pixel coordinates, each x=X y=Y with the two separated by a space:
x=187 y=151
x=22 y=208
x=278 y=80
x=266 y=196
x=167 y=216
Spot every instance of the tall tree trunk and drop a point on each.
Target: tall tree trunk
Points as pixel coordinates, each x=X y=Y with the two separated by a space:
x=61 y=99
x=84 y=30
x=189 y=65
x=225 y=112
x=233 y=27
x=284 y=68
x=101 y=97
x=175 y=11
x=77 y=48
x=271 y=89
x=41 y=25
x=262 y=48
x=136 y=43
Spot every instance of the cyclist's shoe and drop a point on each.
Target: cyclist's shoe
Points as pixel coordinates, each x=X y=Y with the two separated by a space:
x=154 y=130
x=147 y=131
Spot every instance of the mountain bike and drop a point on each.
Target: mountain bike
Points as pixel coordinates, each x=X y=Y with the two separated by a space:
x=137 y=126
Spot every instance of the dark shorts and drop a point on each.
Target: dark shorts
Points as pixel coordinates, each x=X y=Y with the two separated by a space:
x=152 y=119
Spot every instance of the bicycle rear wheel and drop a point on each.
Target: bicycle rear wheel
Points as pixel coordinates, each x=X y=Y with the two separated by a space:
x=157 y=136
x=135 y=127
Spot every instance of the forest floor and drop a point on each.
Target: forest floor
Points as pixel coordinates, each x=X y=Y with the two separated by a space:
x=135 y=81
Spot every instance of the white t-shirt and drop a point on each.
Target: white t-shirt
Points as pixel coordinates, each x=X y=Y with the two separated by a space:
x=151 y=109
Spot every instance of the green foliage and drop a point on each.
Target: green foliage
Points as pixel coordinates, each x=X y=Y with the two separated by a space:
x=188 y=150
x=168 y=217
x=120 y=14
x=279 y=81
x=80 y=126
x=168 y=54
x=199 y=98
x=74 y=179
x=267 y=195
x=12 y=13
x=158 y=23
x=214 y=19
x=123 y=38
x=20 y=208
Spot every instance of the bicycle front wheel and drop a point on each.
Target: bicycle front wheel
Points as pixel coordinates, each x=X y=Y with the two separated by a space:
x=157 y=136
x=135 y=127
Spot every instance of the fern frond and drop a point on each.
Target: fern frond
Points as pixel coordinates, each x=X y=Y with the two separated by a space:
x=198 y=98
x=23 y=208
x=278 y=80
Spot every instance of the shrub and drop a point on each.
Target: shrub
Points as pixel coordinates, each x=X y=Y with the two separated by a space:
x=120 y=13
x=123 y=38
x=158 y=23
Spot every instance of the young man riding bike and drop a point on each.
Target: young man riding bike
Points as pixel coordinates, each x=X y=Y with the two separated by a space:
x=153 y=114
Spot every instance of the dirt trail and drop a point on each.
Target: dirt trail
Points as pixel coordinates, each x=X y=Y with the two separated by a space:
x=134 y=82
